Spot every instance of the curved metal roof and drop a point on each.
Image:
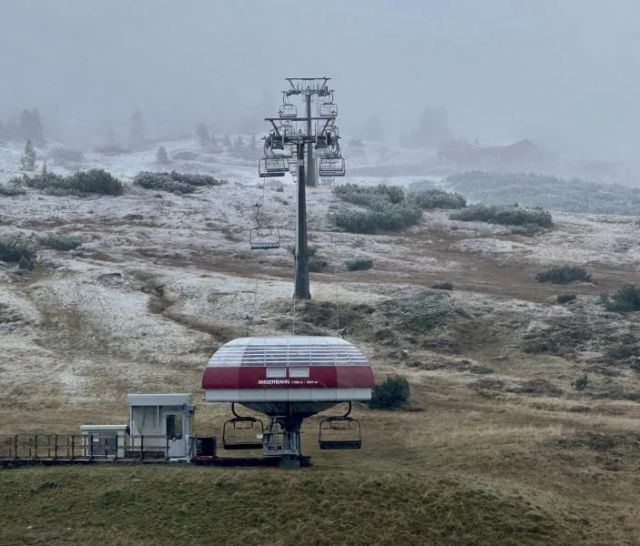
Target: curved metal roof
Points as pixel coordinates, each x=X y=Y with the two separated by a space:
x=288 y=351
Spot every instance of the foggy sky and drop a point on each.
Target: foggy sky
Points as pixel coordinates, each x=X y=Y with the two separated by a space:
x=562 y=72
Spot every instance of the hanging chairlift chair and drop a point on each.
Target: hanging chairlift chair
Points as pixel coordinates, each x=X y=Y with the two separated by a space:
x=242 y=423
x=340 y=432
x=264 y=238
x=272 y=167
x=288 y=111
x=328 y=110
x=332 y=167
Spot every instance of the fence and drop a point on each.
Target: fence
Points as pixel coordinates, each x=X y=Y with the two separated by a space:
x=82 y=447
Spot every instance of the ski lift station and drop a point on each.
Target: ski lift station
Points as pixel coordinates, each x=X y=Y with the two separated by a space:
x=286 y=379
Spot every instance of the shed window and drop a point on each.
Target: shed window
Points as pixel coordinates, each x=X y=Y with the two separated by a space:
x=276 y=373
x=174 y=427
x=299 y=372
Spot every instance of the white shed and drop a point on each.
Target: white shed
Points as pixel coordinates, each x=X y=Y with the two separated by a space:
x=161 y=423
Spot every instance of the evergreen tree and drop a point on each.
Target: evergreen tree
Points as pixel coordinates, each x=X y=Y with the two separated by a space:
x=162 y=156
x=31 y=126
x=238 y=146
x=28 y=159
x=227 y=141
x=136 y=133
x=203 y=134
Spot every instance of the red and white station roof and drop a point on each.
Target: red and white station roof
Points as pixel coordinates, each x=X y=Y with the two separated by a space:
x=288 y=369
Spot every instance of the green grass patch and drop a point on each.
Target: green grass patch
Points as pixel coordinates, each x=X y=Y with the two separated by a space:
x=124 y=505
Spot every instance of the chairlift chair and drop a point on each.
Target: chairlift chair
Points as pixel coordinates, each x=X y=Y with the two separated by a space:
x=271 y=167
x=242 y=423
x=340 y=432
x=332 y=166
x=264 y=238
x=328 y=110
x=288 y=111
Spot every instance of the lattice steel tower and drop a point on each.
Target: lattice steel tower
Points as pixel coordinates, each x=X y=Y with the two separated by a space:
x=293 y=139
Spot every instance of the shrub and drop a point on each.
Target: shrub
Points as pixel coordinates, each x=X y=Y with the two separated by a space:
x=359 y=264
x=626 y=299
x=174 y=182
x=565 y=298
x=15 y=252
x=96 y=181
x=369 y=196
x=317 y=266
x=60 y=242
x=564 y=274
x=66 y=155
x=581 y=382
x=392 y=393
x=446 y=285
x=504 y=215
x=393 y=217
x=311 y=250
x=162 y=182
x=12 y=189
x=437 y=199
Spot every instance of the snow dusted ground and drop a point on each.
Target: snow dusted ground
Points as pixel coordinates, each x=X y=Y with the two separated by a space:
x=160 y=280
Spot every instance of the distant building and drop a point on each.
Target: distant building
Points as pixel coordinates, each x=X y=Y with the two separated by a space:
x=493 y=153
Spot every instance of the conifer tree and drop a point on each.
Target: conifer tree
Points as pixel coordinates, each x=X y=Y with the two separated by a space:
x=28 y=159
x=162 y=156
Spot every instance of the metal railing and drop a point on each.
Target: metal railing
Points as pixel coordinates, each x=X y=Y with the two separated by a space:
x=83 y=447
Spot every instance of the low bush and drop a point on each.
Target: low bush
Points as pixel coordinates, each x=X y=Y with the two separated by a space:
x=392 y=393
x=96 y=181
x=174 y=182
x=12 y=189
x=369 y=195
x=565 y=298
x=446 y=285
x=60 y=242
x=581 y=382
x=12 y=251
x=359 y=264
x=437 y=199
x=564 y=274
x=393 y=217
x=317 y=266
x=626 y=299
x=508 y=215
